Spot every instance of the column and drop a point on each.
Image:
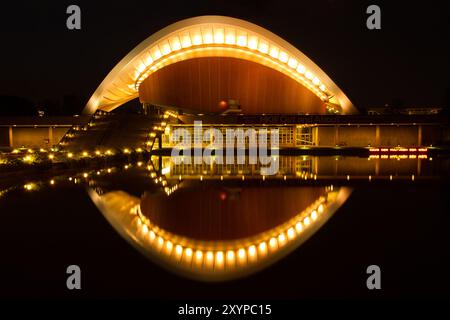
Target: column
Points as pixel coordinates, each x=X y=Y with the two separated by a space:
x=11 y=137
x=419 y=135
x=377 y=136
x=50 y=136
x=336 y=135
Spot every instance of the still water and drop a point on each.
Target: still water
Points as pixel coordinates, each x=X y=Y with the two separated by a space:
x=309 y=231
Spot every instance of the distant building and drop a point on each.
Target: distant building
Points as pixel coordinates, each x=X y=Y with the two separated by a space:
x=386 y=110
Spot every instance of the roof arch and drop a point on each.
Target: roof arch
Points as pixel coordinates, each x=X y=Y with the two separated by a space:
x=212 y=36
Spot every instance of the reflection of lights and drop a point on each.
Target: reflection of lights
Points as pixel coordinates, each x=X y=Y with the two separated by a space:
x=241 y=254
x=230 y=256
x=273 y=243
x=220 y=257
x=306 y=221
x=165 y=170
x=262 y=247
x=252 y=251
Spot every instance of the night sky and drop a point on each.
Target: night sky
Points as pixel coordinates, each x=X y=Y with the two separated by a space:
x=407 y=60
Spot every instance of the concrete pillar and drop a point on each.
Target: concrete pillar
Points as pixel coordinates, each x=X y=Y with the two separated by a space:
x=336 y=135
x=315 y=161
x=419 y=135
x=377 y=136
x=50 y=136
x=315 y=132
x=11 y=137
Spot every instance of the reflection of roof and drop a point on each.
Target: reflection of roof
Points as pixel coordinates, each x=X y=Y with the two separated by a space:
x=214 y=260
x=212 y=36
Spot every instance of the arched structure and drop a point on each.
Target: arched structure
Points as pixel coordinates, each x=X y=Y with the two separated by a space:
x=212 y=37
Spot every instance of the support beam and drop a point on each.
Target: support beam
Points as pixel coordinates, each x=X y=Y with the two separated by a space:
x=419 y=135
x=11 y=137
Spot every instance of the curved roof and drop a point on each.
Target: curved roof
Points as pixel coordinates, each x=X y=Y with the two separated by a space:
x=209 y=36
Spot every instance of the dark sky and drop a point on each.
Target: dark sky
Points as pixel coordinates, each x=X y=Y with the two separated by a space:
x=407 y=59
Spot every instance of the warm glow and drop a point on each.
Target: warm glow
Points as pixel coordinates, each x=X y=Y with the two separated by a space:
x=219 y=36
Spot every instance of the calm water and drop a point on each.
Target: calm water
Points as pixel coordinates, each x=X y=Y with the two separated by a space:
x=395 y=216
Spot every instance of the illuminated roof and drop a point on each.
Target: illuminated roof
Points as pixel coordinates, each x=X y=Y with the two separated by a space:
x=212 y=36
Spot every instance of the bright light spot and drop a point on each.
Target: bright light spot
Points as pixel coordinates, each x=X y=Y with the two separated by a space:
x=219 y=36
x=273 y=243
x=209 y=256
x=283 y=57
x=198 y=255
x=281 y=238
x=186 y=41
x=301 y=69
x=219 y=257
x=306 y=221
x=169 y=246
x=262 y=247
x=230 y=255
x=242 y=40
x=292 y=63
x=230 y=38
x=320 y=209
x=274 y=52
x=175 y=43
x=299 y=227
x=241 y=253
x=253 y=43
x=291 y=233
x=252 y=251
x=263 y=47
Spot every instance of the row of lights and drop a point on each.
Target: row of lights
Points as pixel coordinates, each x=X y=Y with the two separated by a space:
x=398 y=156
x=163 y=180
x=160 y=127
x=398 y=150
x=234 y=39
x=221 y=257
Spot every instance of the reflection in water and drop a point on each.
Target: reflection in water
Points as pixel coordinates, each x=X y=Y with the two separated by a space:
x=217 y=222
x=213 y=212
x=216 y=259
